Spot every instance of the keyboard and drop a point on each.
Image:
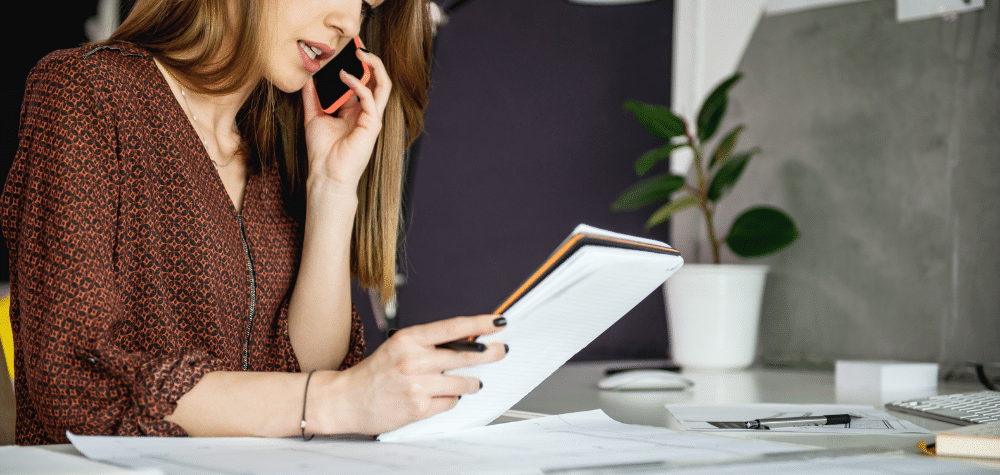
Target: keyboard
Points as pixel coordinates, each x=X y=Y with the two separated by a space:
x=962 y=409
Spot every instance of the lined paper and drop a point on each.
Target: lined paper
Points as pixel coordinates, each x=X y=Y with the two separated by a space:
x=567 y=310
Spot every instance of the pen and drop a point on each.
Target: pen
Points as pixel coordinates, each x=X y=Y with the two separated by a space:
x=776 y=422
x=463 y=345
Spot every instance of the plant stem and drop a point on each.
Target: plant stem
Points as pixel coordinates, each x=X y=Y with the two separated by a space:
x=711 y=233
x=703 y=201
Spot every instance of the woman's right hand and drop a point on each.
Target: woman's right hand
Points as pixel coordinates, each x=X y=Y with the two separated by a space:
x=339 y=146
x=403 y=380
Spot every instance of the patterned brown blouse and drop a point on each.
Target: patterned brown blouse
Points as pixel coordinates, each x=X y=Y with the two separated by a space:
x=132 y=275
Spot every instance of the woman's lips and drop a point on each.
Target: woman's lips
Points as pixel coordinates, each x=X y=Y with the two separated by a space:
x=314 y=54
x=310 y=60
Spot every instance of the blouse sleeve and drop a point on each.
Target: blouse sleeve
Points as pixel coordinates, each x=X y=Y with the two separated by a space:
x=59 y=217
x=356 y=352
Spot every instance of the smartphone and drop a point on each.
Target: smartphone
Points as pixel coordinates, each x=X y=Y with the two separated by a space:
x=332 y=91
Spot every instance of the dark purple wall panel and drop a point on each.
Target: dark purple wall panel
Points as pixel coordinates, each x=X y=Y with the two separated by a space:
x=525 y=138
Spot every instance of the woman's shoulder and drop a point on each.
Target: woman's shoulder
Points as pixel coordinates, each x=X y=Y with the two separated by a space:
x=95 y=57
x=105 y=68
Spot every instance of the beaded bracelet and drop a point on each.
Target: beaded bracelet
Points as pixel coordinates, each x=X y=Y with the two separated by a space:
x=305 y=393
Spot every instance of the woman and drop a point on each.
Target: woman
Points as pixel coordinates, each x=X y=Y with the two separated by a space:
x=184 y=222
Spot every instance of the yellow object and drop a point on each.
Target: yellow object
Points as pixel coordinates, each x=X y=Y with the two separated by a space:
x=7 y=335
x=927 y=449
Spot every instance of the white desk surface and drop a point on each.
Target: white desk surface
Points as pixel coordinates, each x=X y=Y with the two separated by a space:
x=573 y=388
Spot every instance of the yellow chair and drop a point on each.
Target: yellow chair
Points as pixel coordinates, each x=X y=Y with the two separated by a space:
x=7 y=408
x=7 y=335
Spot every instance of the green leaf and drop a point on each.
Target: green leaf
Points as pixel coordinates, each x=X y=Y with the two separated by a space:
x=761 y=231
x=725 y=179
x=658 y=120
x=714 y=108
x=669 y=209
x=652 y=157
x=726 y=146
x=648 y=191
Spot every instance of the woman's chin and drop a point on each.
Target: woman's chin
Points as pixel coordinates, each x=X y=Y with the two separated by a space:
x=291 y=84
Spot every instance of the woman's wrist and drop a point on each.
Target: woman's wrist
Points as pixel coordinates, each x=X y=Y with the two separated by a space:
x=328 y=202
x=328 y=411
x=320 y=186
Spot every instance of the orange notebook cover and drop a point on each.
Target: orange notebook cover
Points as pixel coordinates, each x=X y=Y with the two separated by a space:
x=571 y=245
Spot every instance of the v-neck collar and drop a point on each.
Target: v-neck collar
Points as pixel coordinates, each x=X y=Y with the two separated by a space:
x=199 y=163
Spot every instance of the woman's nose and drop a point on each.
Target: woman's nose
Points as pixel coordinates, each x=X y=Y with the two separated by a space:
x=344 y=16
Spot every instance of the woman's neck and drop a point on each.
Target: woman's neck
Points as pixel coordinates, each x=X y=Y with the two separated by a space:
x=215 y=113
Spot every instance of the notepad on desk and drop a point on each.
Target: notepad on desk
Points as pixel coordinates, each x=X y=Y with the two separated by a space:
x=978 y=440
x=591 y=280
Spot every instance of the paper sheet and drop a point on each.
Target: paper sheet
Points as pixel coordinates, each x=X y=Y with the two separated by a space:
x=553 y=443
x=39 y=461
x=869 y=421
x=565 y=312
x=838 y=465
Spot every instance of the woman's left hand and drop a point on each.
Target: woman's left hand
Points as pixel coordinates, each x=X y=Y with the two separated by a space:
x=339 y=147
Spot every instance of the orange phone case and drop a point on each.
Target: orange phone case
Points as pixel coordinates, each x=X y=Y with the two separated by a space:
x=349 y=94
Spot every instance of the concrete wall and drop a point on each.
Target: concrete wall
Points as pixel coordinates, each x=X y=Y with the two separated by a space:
x=882 y=140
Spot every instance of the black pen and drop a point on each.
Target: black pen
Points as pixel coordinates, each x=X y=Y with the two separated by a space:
x=463 y=345
x=776 y=422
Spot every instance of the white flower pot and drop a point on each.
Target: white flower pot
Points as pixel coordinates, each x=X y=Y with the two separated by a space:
x=712 y=313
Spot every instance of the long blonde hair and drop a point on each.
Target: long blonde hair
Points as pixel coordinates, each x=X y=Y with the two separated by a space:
x=271 y=122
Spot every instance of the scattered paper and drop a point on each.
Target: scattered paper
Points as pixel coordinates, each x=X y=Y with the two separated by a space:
x=38 y=461
x=839 y=465
x=552 y=443
x=865 y=419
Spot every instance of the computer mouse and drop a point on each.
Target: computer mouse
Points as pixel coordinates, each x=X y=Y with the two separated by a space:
x=645 y=379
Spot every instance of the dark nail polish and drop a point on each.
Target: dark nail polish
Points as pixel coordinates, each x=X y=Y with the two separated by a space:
x=460 y=398
x=500 y=322
x=480 y=385
x=506 y=349
x=365 y=50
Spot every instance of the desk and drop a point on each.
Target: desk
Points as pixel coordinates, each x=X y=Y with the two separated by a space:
x=573 y=388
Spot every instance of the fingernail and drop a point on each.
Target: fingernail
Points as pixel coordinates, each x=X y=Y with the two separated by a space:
x=365 y=50
x=480 y=384
x=499 y=322
x=459 y=398
x=506 y=349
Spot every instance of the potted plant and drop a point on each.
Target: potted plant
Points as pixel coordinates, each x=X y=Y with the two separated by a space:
x=713 y=308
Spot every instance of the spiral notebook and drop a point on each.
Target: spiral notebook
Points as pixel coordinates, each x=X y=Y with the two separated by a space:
x=590 y=281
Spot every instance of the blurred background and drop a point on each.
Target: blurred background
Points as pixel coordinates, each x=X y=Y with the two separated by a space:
x=880 y=137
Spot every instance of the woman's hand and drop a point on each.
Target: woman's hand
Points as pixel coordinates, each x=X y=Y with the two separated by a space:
x=340 y=146
x=402 y=380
